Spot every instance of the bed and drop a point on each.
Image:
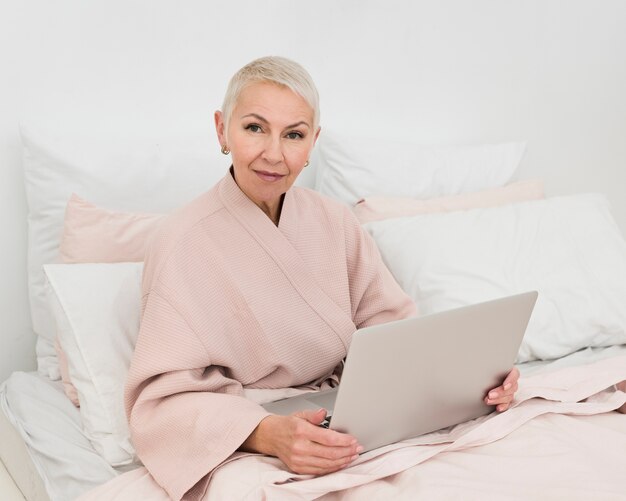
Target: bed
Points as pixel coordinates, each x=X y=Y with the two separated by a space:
x=92 y=207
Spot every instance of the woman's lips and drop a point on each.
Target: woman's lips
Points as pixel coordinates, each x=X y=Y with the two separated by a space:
x=269 y=176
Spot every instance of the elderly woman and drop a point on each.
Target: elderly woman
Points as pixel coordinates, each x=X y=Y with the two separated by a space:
x=255 y=285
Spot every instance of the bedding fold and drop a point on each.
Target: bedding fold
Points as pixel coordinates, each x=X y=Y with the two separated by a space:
x=558 y=413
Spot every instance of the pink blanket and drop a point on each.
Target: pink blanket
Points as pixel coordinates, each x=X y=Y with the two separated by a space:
x=560 y=440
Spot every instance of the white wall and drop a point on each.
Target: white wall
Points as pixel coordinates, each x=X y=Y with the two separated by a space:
x=551 y=72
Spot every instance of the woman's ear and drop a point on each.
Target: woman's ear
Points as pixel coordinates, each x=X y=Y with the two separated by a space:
x=317 y=134
x=220 y=128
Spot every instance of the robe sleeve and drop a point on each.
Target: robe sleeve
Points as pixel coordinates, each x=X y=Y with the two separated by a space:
x=375 y=296
x=186 y=416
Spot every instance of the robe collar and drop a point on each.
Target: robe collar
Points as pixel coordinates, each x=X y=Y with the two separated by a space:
x=281 y=244
x=288 y=222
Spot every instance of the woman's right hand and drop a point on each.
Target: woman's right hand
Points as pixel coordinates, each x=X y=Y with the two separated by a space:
x=304 y=446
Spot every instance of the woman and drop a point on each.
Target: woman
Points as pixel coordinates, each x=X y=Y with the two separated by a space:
x=255 y=285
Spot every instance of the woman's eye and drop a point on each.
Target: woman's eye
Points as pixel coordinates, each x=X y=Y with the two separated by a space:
x=253 y=128
x=295 y=135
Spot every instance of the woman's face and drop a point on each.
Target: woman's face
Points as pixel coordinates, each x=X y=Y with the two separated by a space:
x=270 y=135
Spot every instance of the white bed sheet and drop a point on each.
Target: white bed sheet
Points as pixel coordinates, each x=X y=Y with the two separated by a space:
x=581 y=357
x=50 y=427
x=63 y=457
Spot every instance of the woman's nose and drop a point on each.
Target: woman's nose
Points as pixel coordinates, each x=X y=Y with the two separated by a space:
x=273 y=152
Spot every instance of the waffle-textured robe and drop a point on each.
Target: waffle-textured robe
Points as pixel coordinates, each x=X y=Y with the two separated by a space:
x=231 y=301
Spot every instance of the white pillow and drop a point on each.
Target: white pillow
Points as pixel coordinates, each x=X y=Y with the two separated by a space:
x=97 y=310
x=349 y=169
x=129 y=173
x=567 y=248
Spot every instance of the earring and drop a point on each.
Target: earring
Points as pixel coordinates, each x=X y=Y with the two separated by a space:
x=306 y=164
x=225 y=150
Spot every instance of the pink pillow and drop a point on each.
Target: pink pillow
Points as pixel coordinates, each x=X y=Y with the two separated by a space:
x=95 y=235
x=377 y=208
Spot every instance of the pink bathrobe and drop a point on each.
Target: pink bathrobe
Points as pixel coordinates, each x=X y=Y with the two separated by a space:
x=230 y=301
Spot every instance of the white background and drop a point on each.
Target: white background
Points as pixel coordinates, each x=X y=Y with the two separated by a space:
x=447 y=72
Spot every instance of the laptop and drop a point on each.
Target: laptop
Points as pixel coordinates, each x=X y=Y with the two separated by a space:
x=406 y=378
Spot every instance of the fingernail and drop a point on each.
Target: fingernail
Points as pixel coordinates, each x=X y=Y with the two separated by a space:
x=359 y=449
x=507 y=386
x=356 y=456
x=493 y=394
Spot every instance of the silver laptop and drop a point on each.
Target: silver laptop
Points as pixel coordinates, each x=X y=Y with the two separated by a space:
x=409 y=377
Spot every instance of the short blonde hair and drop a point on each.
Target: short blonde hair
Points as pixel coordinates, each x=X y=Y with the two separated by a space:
x=279 y=70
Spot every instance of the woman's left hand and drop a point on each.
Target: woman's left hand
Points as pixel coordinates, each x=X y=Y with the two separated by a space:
x=502 y=396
